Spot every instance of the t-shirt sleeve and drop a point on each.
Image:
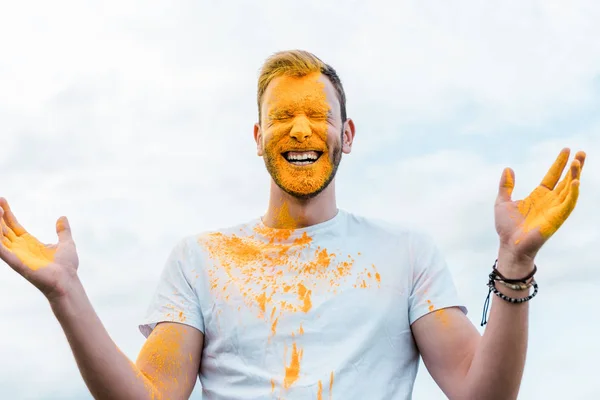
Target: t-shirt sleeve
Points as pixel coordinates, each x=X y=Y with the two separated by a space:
x=432 y=285
x=175 y=299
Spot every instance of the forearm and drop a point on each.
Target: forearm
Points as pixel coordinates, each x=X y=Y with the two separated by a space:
x=497 y=366
x=107 y=372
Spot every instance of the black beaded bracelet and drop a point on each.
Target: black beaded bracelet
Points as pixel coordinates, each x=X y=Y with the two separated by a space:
x=511 y=299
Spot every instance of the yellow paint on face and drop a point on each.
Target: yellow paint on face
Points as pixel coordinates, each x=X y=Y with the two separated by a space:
x=299 y=118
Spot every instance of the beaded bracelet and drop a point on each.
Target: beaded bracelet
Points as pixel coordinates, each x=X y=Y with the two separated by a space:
x=495 y=276
x=516 y=286
x=511 y=299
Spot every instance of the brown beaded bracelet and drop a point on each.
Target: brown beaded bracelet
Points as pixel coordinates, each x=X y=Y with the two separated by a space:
x=516 y=286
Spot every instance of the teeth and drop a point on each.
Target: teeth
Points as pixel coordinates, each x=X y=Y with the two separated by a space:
x=302 y=156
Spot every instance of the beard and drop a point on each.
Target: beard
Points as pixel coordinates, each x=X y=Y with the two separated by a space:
x=304 y=182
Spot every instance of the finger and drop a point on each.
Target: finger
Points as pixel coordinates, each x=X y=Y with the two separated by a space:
x=10 y=218
x=507 y=184
x=580 y=160
x=555 y=171
x=7 y=243
x=575 y=169
x=566 y=185
x=63 y=229
x=7 y=232
x=4 y=237
x=574 y=172
x=581 y=157
x=563 y=187
x=571 y=199
x=8 y=256
x=572 y=176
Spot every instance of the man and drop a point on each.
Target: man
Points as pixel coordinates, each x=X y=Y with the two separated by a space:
x=308 y=301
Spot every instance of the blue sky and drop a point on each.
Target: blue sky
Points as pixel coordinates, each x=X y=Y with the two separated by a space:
x=134 y=119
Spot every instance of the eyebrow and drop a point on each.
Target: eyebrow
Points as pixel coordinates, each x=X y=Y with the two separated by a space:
x=278 y=112
x=291 y=111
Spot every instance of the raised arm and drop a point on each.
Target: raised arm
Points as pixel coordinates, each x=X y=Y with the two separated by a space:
x=469 y=366
x=169 y=360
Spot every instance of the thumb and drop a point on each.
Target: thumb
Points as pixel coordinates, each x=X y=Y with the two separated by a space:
x=63 y=230
x=507 y=184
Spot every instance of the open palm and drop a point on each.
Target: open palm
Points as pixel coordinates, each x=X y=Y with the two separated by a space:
x=525 y=225
x=47 y=266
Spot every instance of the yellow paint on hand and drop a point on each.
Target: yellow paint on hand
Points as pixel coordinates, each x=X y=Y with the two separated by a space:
x=30 y=251
x=551 y=203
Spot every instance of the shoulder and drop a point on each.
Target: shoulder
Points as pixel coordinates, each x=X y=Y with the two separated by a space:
x=392 y=228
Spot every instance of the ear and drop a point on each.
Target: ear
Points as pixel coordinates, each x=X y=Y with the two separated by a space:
x=348 y=136
x=258 y=139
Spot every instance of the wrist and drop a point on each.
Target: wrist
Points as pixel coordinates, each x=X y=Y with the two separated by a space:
x=65 y=298
x=512 y=266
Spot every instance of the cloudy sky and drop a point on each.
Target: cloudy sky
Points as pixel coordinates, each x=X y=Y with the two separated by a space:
x=134 y=118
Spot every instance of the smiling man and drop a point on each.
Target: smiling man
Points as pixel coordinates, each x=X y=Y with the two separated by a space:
x=302 y=134
x=309 y=301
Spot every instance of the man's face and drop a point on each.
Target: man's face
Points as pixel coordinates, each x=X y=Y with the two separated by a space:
x=300 y=135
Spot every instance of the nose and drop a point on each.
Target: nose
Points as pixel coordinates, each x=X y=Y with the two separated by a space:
x=301 y=129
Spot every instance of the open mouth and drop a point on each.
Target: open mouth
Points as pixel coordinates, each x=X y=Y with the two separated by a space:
x=302 y=157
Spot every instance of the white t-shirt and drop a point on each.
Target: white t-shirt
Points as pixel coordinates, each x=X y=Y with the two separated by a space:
x=322 y=312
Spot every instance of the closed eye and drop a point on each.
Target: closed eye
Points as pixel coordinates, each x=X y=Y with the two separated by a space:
x=280 y=117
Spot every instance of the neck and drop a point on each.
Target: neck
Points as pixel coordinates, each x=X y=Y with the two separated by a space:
x=288 y=212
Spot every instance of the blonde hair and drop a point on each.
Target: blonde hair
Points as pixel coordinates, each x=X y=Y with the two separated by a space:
x=297 y=63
